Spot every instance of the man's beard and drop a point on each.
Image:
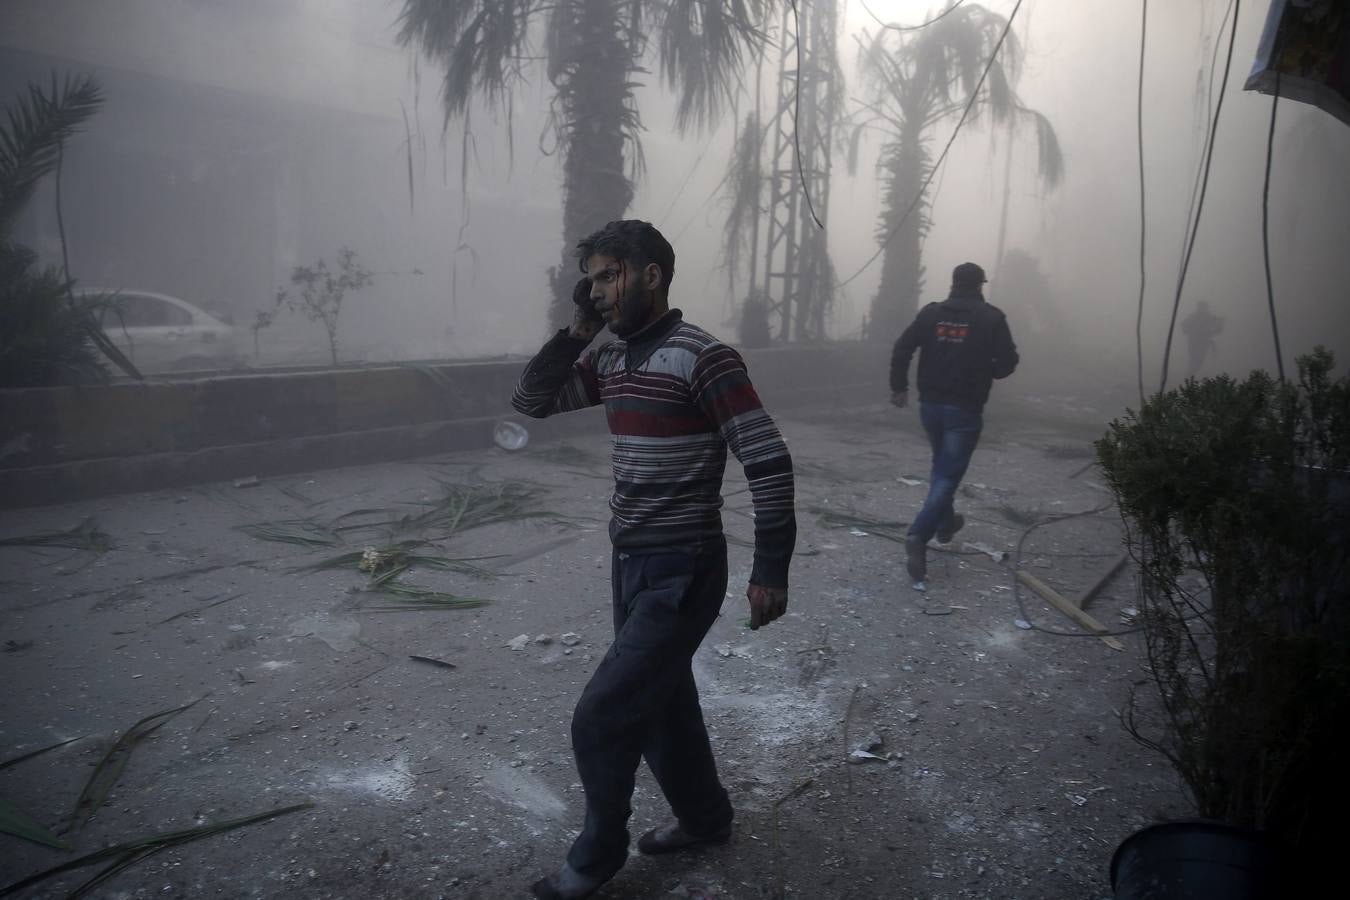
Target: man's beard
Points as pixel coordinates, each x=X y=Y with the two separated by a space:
x=636 y=307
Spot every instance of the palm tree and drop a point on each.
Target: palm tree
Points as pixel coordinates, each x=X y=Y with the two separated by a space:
x=916 y=79
x=745 y=204
x=37 y=126
x=47 y=334
x=593 y=52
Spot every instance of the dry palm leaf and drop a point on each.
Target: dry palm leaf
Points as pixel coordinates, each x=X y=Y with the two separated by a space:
x=13 y=761
x=109 y=769
x=292 y=531
x=84 y=536
x=410 y=598
x=131 y=852
x=18 y=823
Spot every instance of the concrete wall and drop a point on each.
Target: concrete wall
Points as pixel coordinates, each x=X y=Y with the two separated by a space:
x=67 y=443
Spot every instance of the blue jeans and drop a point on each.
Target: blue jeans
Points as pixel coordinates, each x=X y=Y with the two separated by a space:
x=953 y=432
x=641 y=703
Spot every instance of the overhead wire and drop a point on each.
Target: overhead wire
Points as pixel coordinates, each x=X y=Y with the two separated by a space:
x=965 y=113
x=1139 y=127
x=796 y=119
x=1017 y=586
x=890 y=26
x=932 y=202
x=1265 y=223
x=1200 y=200
x=1209 y=96
x=702 y=208
x=796 y=112
x=670 y=207
x=1054 y=632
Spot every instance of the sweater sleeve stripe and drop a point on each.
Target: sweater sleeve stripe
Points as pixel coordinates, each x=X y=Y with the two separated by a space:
x=555 y=381
x=722 y=389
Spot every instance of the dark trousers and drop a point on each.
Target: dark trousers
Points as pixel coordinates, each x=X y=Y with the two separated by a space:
x=641 y=703
x=953 y=432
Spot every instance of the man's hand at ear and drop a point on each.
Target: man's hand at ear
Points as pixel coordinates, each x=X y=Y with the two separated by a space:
x=586 y=321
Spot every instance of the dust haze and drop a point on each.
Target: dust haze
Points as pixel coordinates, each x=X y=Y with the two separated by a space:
x=242 y=139
x=326 y=543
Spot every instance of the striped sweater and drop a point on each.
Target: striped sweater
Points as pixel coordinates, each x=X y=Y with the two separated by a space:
x=676 y=398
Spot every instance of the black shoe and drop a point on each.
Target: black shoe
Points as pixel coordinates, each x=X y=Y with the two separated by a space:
x=916 y=559
x=568 y=884
x=671 y=838
x=954 y=524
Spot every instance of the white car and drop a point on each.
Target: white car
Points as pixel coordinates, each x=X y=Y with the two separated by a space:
x=160 y=333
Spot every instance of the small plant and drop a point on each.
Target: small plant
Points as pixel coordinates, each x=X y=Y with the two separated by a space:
x=263 y=319
x=1235 y=497
x=320 y=296
x=387 y=563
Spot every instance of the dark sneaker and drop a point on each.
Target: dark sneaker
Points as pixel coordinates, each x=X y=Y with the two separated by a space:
x=953 y=525
x=916 y=559
x=671 y=838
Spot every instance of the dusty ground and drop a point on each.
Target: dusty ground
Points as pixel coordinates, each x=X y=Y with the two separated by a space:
x=1004 y=774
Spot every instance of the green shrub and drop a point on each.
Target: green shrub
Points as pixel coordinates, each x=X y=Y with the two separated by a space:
x=1235 y=497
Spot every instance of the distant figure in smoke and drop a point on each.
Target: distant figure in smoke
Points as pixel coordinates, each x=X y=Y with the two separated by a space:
x=964 y=344
x=676 y=399
x=1201 y=328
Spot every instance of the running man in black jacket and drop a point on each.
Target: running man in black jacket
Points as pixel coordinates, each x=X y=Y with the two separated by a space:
x=964 y=344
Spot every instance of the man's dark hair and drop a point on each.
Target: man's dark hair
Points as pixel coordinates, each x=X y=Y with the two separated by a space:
x=633 y=241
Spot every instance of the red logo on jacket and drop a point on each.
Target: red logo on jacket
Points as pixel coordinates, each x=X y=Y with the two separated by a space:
x=955 y=332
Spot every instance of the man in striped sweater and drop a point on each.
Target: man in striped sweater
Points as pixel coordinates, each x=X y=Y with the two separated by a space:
x=676 y=398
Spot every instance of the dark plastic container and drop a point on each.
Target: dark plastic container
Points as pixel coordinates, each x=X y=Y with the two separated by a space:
x=1196 y=859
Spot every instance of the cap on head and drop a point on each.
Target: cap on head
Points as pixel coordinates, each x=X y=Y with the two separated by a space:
x=968 y=274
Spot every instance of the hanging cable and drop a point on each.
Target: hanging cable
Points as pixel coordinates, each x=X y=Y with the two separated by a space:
x=1139 y=128
x=937 y=192
x=1016 y=583
x=1209 y=96
x=1017 y=587
x=796 y=119
x=894 y=27
x=1200 y=202
x=965 y=113
x=685 y=182
x=1265 y=223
